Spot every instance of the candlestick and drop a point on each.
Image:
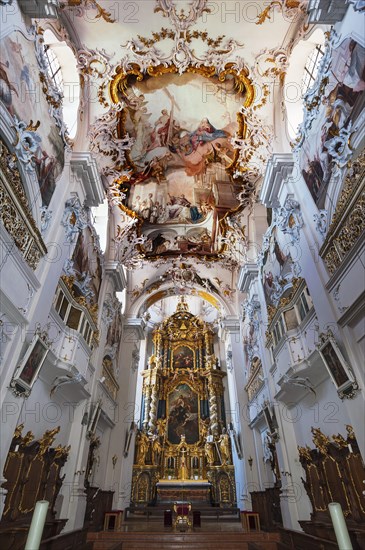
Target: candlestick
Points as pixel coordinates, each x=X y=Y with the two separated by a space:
x=37 y=525
x=340 y=527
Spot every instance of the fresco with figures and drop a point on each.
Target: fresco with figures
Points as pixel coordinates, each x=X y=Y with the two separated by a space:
x=85 y=266
x=21 y=93
x=183 y=358
x=180 y=186
x=339 y=109
x=276 y=270
x=183 y=415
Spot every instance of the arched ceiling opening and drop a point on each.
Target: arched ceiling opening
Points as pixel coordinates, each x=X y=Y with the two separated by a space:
x=201 y=302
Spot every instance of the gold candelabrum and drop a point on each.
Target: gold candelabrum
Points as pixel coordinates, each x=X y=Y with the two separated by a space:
x=182 y=436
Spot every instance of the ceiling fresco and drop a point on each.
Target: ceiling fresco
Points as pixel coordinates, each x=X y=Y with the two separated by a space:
x=180 y=165
x=182 y=123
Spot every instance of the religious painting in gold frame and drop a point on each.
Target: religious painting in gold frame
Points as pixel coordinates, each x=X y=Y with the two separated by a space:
x=182 y=158
x=183 y=415
x=183 y=357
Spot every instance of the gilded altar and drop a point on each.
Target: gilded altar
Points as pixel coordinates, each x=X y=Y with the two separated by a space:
x=182 y=441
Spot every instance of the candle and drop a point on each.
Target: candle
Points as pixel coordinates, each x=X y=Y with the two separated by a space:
x=37 y=525
x=349 y=446
x=340 y=527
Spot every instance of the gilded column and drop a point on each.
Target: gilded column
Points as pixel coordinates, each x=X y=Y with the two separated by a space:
x=213 y=409
x=154 y=384
x=215 y=389
x=147 y=397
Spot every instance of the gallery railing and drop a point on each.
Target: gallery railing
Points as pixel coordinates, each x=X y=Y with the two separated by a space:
x=348 y=222
x=15 y=213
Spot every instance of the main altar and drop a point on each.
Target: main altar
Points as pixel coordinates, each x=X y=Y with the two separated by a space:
x=183 y=450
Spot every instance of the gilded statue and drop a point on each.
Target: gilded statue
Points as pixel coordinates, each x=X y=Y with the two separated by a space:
x=143 y=445
x=156 y=450
x=161 y=427
x=209 y=452
x=224 y=447
x=204 y=427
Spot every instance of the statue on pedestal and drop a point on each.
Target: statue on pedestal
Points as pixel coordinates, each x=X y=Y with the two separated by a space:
x=209 y=451
x=224 y=447
x=156 y=450
x=143 y=445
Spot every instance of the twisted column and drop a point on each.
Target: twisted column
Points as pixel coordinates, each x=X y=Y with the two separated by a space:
x=153 y=411
x=146 y=407
x=213 y=410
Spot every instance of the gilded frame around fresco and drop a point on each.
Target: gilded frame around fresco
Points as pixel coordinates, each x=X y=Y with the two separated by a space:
x=121 y=82
x=118 y=92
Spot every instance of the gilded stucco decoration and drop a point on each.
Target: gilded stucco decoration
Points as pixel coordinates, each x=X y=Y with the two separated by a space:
x=16 y=214
x=347 y=224
x=80 y=8
x=291 y=9
x=182 y=436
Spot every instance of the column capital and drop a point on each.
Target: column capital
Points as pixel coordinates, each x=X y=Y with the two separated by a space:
x=279 y=168
x=231 y=324
x=137 y=323
x=115 y=270
x=248 y=273
x=85 y=170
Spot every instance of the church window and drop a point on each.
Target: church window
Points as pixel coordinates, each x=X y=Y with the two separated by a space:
x=311 y=67
x=54 y=68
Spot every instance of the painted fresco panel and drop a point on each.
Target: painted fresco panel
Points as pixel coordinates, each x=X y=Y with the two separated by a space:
x=337 y=110
x=277 y=266
x=180 y=185
x=21 y=92
x=87 y=265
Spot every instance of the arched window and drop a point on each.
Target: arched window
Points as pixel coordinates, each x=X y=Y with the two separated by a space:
x=63 y=72
x=301 y=74
x=311 y=67
x=54 y=68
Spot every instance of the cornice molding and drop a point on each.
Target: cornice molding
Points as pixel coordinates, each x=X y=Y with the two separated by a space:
x=85 y=169
x=115 y=270
x=247 y=275
x=279 y=168
x=231 y=324
x=136 y=323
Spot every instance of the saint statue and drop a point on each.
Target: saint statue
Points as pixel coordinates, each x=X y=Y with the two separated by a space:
x=209 y=452
x=156 y=450
x=143 y=444
x=161 y=427
x=224 y=447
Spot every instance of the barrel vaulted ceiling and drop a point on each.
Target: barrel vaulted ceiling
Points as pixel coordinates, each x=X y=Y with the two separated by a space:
x=182 y=101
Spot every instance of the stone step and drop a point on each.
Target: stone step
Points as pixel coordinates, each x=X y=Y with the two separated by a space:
x=176 y=541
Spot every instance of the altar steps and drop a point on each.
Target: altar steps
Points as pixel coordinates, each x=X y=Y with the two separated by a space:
x=106 y=540
x=210 y=513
